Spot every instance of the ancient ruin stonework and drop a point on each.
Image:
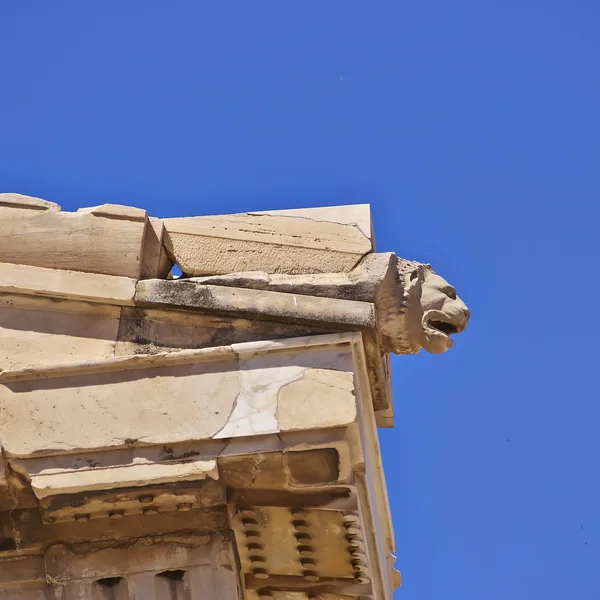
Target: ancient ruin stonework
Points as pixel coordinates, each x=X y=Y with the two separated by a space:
x=206 y=436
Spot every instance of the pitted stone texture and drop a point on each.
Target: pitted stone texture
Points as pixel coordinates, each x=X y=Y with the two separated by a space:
x=254 y=303
x=181 y=566
x=276 y=242
x=54 y=481
x=155 y=260
x=358 y=215
x=149 y=331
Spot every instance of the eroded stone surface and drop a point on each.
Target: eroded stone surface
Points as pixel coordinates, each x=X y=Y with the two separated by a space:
x=134 y=475
x=204 y=566
x=358 y=215
x=140 y=428
x=274 y=242
x=149 y=331
x=12 y=202
x=95 y=243
x=250 y=303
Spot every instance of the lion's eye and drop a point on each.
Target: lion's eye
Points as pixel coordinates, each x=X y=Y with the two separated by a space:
x=450 y=292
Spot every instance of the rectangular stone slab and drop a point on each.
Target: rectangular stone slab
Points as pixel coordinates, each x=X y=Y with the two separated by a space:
x=105 y=240
x=149 y=558
x=303 y=241
x=255 y=303
x=37 y=330
x=242 y=390
x=59 y=283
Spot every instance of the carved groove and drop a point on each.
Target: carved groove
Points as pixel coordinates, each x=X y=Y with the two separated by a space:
x=110 y=588
x=172 y=585
x=304 y=548
x=356 y=548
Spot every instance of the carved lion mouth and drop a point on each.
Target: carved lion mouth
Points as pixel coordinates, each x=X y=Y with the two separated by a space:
x=444 y=327
x=440 y=324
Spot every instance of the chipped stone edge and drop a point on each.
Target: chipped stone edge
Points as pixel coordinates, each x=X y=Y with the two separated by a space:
x=343 y=214
x=24 y=202
x=115 y=211
x=134 y=475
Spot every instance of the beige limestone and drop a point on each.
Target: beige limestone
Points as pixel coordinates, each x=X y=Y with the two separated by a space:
x=202 y=565
x=116 y=211
x=358 y=215
x=234 y=396
x=252 y=303
x=155 y=260
x=152 y=431
x=34 y=535
x=273 y=242
x=125 y=501
x=96 y=243
x=12 y=202
x=75 y=285
x=372 y=489
x=38 y=331
x=149 y=330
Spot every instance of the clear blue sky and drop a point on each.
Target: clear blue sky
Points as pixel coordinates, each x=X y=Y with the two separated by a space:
x=473 y=129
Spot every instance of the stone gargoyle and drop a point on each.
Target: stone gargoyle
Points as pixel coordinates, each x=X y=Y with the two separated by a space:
x=415 y=308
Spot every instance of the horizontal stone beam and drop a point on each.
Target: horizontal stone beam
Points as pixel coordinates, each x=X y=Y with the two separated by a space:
x=255 y=303
x=58 y=283
x=310 y=240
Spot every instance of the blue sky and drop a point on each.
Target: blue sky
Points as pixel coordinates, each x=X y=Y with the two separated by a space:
x=472 y=128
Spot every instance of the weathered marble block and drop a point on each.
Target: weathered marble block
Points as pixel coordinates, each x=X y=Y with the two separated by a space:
x=307 y=240
x=212 y=435
x=239 y=390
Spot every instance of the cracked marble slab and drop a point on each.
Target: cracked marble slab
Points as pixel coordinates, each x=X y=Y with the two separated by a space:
x=232 y=397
